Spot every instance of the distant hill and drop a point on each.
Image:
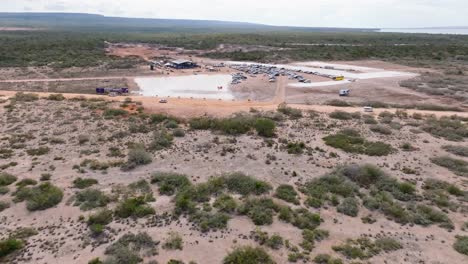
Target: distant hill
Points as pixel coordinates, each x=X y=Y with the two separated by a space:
x=92 y=22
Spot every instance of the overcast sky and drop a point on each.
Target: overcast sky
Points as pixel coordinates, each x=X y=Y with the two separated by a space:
x=311 y=13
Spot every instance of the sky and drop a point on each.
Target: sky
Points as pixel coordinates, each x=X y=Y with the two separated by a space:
x=308 y=13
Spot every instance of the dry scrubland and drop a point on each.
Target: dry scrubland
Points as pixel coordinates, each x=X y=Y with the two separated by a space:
x=89 y=181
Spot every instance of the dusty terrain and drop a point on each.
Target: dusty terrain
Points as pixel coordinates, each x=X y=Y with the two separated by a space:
x=74 y=132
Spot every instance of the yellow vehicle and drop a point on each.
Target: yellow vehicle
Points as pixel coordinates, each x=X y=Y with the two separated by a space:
x=338 y=78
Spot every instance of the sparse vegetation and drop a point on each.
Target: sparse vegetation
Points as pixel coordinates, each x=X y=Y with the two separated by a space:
x=40 y=197
x=457 y=166
x=351 y=141
x=248 y=255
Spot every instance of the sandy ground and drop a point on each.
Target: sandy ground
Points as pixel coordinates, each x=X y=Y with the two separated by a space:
x=63 y=239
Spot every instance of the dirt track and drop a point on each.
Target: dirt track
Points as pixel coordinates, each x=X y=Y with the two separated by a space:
x=187 y=108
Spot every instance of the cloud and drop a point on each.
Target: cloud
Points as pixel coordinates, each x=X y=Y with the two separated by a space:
x=331 y=13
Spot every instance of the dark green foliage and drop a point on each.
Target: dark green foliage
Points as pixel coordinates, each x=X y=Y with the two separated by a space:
x=248 y=255
x=364 y=248
x=295 y=147
x=349 y=206
x=178 y=132
x=457 y=166
x=457 y=150
x=91 y=198
x=209 y=221
x=170 y=183
x=128 y=248
x=461 y=245
x=41 y=197
x=133 y=207
x=259 y=210
x=97 y=221
x=26 y=182
x=326 y=259
x=38 y=152
x=351 y=141
x=4 y=205
x=265 y=127
x=242 y=184
x=6 y=179
x=95 y=261
x=8 y=246
x=433 y=184
x=287 y=193
x=56 y=97
x=273 y=242
x=81 y=183
x=111 y=112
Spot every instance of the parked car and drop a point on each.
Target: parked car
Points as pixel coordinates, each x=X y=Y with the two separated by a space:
x=163 y=101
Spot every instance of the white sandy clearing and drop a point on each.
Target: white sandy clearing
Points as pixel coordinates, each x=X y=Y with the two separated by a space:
x=317 y=84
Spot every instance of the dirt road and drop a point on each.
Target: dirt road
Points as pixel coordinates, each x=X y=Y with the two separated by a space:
x=187 y=108
x=68 y=79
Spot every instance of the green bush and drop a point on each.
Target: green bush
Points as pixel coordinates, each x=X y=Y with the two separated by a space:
x=81 y=183
x=26 y=182
x=41 y=197
x=173 y=242
x=381 y=129
x=296 y=147
x=351 y=141
x=56 y=97
x=364 y=248
x=287 y=193
x=9 y=246
x=457 y=150
x=110 y=112
x=38 y=151
x=341 y=115
x=170 y=183
x=26 y=97
x=4 y=205
x=289 y=111
x=265 y=127
x=459 y=167
x=161 y=140
x=91 y=198
x=248 y=255
x=326 y=259
x=259 y=210
x=225 y=203
x=6 y=179
x=128 y=248
x=133 y=207
x=209 y=221
x=97 y=221
x=178 y=132
x=349 y=206
x=242 y=184
x=461 y=245
x=450 y=129
x=137 y=157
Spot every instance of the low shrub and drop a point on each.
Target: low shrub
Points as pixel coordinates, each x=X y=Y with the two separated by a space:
x=6 y=179
x=273 y=242
x=293 y=113
x=10 y=245
x=25 y=97
x=351 y=141
x=137 y=156
x=170 y=183
x=26 y=182
x=97 y=221
x=38 y=151
x=364 y=248
x=457 y=150
x=459 y=167
x=259 y=210
x=295 y=147
x=4 y=205
x=173 y=242
x=128 y=249
x=381 y=129
x=225 y=203
x=110 y=113
x=40 y=197
x=248 y=255
x=91 y=198
x=287 y=193
x=209 y=221
x=341 y=115
x=81 y=183
x=349 y=206
x=450 y=129
x=56 y=97
x=326 y=259
x=178 y=133
x=133 y=207
x=161 y=140
x=461 y=245
x=240 y=183
x=265 y=127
